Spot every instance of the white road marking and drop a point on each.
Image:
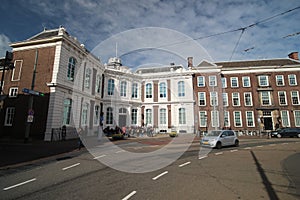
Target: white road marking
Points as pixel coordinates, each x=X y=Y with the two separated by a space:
x=233 y=150
x=160 y=175
x=120 y=151
x=247 y=148
x=200 y=158
x=184 y=164
x=272 y=144
x=19 y=184
x=136 y=148
x=129 y=195
x=220 y=153
x=259 y=146
x=70 y=166
x=99 y=156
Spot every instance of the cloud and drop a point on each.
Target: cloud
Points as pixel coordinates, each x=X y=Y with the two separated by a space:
x=4 y=45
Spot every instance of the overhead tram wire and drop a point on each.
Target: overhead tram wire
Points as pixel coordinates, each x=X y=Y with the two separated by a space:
x=217 y=34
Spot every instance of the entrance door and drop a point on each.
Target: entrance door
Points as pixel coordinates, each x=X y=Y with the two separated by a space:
x=268 y=123
x=122 y=120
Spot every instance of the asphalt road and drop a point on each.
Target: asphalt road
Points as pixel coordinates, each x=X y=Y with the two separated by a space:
x=258 y=169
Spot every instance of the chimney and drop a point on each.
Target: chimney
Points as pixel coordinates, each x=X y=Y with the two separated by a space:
x=294 y=55
x=190 y=62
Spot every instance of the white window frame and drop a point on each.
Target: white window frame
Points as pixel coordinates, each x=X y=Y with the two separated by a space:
x=279 y=79
x=212 y=81
x=244 y=78
x=232 y=79
x=285 y=118
x=162 y=90
x=87 y=78
x=110 y=87
x=204 y=98
x=245 y=102
x=123 y=88
x=225 y=99
x=226 y=116
x=181 y=88
x=297 y=118
x=9 y=116
x=279 y=98
x=250 y=118
x=67 y=109
x=235 y=119
x=85 y=114
x=109 y=115
x=202 y=119
x=149 y=116
x=163 y=116
x=13 y=92
x=269 y=98
x=134 y=112
x=148 y=91
x=295 y=96
x=215 y=120
x=224 y=82
x=238 y=99
x=290 y=76
x=260 y=80
x=214 y=98
x=134 y=90
x=201 y=83
x=182 y=116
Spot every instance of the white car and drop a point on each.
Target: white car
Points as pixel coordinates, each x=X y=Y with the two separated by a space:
x=219 y=138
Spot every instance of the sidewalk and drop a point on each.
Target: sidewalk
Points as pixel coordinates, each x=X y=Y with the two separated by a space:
x=17 y=153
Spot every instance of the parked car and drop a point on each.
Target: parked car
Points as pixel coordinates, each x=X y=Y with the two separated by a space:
x=219 y=138
x=286 y=132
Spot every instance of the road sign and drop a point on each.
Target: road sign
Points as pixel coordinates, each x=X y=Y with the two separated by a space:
x=33 y=92
x=30 y=118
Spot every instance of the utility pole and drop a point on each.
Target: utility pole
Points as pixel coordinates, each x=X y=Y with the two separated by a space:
x=30 y=102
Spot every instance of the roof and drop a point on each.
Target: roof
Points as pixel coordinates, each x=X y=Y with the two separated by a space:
x=44 y=34
x=158 y=69
x=256 y=63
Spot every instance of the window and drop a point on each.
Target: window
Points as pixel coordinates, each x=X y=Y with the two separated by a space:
x=87 y=80
x=246 y=81
x=134 y=91
x=13 y=92
x=203 y=119
x=200 y=81
x=148 y=116
x=224 y=82
x=213 y=99
x=297 y=118
x=265 y=98
x=98 y=84
x=263 y=80
x=123 y=89
x=285 y=119
x=202 y=98
x=9 y=116
x=134 y=116
x=96 y=114
x=181 y=90
x=282 y=98
x=295 y=97
x=67 y=111
x=215 y=118
x=292 y=79
x=236 y=99
x=148 y=90
x=234 y=82
x=16 y=74
x=250 y=118
x=248 y=98
x=71 y=68
x=225 y=99
x=162 y=90
x=163 y=116
x=84 y=115
x=226 y=119
x=111 y=87
x=237 y=118
x=109 y=115
x=182 y=119
x=212 y=81
x=279 y=80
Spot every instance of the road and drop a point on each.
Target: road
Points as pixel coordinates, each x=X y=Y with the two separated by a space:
x=258 y=169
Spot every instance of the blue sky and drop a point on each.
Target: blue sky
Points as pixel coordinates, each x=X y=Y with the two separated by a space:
x=93 y=22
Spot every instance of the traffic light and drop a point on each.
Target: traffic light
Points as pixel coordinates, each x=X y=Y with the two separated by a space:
x=41 y=94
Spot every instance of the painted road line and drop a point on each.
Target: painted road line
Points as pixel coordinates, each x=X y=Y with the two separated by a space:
x=19 y=184
x=99 y=156
x=70 y=166
x=233 y=150
x=247 y=148
x=202 y=157
x=120 y=151
x=220 y=153
x=160 y=175
x=136 y=148
x=259 y=146
x=129 y=195
x=184 y=164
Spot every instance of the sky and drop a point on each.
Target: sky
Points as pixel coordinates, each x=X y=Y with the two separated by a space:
x=178 y=29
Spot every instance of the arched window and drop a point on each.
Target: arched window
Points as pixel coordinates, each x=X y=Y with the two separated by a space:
x=181 y=90
x=162 y=90
x=163 y=116
x=67 y=111
x=111 y=87
x=123 y=89
x=148 y=90
x=109 y=115
x=71 y=68
x=134 y=92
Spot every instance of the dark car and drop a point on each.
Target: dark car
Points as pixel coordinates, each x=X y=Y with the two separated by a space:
x=286 y=132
